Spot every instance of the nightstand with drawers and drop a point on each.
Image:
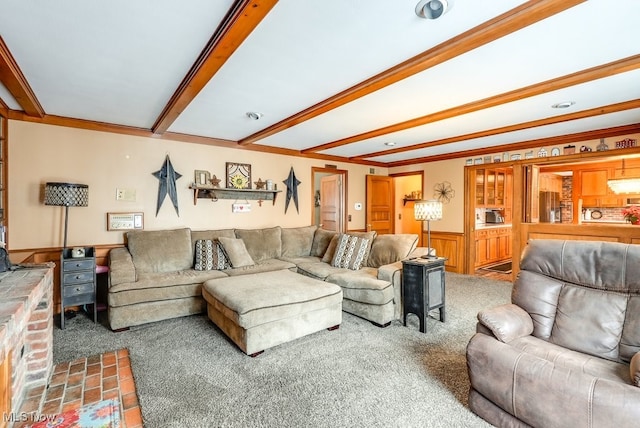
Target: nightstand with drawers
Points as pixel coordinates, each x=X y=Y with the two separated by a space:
x=78 y=280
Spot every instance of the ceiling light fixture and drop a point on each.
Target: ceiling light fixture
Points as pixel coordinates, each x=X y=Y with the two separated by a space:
x=390 y=144
x=433 y=9
x=623 y=184
x=564 y=104
x=254 y=115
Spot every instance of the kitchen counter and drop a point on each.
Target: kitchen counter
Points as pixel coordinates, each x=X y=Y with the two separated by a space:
x=491 y=225
x=616 y=222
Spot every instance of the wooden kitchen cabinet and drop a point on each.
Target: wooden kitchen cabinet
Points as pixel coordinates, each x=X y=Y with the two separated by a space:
x=594 y=190
x=493 y=245
x=491 y=187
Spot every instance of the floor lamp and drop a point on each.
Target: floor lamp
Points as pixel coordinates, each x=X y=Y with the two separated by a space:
x=66 y=195
x=427 y=211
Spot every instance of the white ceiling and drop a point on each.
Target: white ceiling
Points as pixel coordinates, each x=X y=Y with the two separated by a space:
x=120 y=62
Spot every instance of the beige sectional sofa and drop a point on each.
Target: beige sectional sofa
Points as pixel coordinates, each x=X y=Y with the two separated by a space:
x=153 y=277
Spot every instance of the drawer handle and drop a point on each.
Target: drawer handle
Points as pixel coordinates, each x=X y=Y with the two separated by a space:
x=78 y=276
x=77 y=288
x=78 y=265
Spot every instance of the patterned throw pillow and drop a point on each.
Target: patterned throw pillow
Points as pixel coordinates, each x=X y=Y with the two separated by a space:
x=209 y=256
x=351 y=252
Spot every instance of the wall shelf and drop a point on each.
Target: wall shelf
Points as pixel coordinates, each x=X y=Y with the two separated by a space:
x=405 y=200
x=215 y=193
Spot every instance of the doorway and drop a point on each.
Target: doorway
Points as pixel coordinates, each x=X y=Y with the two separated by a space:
x=329 y=198
x=408 y=187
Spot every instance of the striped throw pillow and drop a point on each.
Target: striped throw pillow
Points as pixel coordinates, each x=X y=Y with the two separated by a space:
x=351 y=252
x=209 y=256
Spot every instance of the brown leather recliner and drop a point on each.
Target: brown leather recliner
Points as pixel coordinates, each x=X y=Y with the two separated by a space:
x=566 y=351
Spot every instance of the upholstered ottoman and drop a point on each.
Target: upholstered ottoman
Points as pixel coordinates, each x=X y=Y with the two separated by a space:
x=258 y=311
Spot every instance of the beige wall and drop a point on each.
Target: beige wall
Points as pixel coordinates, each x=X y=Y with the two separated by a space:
x=105 y=161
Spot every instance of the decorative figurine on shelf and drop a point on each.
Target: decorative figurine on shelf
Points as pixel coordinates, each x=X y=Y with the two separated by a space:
x=602 y=146
x=260 y=184
x=292 y=190
x=215 y=181
x=585 y=149
x=167 y=177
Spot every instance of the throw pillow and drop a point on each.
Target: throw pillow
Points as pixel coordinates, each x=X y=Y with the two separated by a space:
x=236 y=252
x=321 y=240
x=387 y=249
x=209 y=256
x=351 y=252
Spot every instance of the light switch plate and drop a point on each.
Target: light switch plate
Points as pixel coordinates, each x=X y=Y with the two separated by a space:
x=127 y=195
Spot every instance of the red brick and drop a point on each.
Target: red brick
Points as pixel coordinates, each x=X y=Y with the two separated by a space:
x=41 y=325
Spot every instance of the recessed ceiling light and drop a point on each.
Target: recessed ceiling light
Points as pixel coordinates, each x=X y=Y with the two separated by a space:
x=254 y=115
x=564 y=104
x=390 y=143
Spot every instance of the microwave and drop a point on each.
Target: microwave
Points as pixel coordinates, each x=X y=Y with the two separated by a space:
x=493 y=217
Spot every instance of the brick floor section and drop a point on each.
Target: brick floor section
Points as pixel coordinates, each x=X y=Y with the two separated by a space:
x=85 y=381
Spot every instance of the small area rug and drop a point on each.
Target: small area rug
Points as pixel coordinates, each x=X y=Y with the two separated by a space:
x=502 y=268
x=102 y=414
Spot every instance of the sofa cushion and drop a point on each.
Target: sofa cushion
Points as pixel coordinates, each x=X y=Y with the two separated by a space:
x=319 y=270
x=387 y=249
x=297 y=241
x=261 y=266
x=161 y=250
x=210 y=256
x=236 y=252
x=211 y=234
x=321 y=240
x=350 y=252
x=363 y=286
x=262 y=244
x=161 y=286
x=589 y=321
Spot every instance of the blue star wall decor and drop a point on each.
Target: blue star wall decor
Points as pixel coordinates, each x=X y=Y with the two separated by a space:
x=167 y=177
x=292 y=190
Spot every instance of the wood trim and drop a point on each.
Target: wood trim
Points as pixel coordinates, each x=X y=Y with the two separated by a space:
x=450 y=245
x=407 y=173
x=175 y=136
x=243 y=17
x=500 y=26
x=12 y=78
x=549 y=141
x=597 y=111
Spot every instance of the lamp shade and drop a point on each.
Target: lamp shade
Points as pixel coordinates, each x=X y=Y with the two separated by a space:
x=66 y=194
x=427 y=210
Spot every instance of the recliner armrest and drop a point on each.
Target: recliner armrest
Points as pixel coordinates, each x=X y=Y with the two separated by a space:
x=634 y=369
x=121 y=267
x=507 y=322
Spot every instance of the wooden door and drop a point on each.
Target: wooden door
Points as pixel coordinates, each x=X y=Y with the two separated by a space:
x=331 y=203
x=380 y=206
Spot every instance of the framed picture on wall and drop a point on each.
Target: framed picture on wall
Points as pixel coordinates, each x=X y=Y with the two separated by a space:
x=238 y=175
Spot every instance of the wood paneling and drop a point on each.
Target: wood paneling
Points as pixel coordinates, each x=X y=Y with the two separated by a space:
x=451 y=246
x=12 y=78
x=44 y=255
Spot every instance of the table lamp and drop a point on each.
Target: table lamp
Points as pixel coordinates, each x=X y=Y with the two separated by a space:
x=66 y=195
x=427 y=211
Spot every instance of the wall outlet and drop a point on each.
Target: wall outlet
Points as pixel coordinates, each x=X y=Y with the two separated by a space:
x=128 y=195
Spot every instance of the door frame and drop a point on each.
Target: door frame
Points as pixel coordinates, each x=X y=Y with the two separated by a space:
x=330 y=171
x=405 y=174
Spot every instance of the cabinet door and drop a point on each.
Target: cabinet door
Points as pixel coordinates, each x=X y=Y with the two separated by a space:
x=593 y=183
x=490 y=188
x=500 y=187
x=482 y=253
x=480 y=187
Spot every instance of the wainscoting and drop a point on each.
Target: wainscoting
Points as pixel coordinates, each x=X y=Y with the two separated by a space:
x=451 y=246
x=44 y=255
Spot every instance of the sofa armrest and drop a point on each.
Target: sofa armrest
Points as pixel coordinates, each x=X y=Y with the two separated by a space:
x=507 y=322
x=634 y=369
x=121 y=268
